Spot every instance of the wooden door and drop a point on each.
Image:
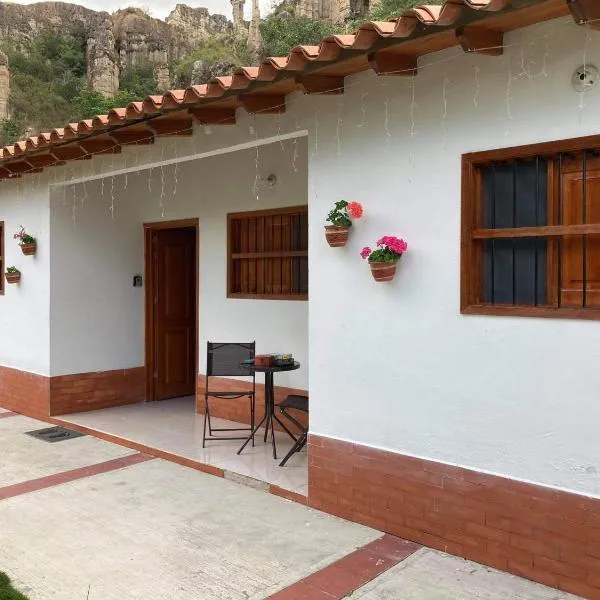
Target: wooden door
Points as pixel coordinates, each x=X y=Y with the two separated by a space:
x=175 y=322
x=579 y=257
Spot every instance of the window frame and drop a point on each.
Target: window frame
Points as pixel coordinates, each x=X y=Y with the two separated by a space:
x=471 y=234
x=299 y=209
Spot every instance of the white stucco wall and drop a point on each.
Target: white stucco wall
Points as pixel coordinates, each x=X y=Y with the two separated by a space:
x=393 y=366
x=24 y=307
x=98 y=316
x=396 y=366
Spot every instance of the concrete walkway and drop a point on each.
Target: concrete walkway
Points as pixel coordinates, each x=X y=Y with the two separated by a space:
x=84 y=516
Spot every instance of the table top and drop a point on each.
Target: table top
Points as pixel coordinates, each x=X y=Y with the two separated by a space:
x=272 y=368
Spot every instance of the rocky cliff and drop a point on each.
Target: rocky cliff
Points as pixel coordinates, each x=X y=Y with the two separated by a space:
x=126 y=38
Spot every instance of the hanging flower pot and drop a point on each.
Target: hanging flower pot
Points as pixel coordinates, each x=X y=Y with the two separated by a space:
x=383 y=271
x=26 y=241
x=336 y=236
x=13 y=275
x=384 y=258
x=340 y=218
x=29 y=249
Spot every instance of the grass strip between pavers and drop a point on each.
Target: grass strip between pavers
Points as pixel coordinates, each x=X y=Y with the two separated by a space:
x=7 y=591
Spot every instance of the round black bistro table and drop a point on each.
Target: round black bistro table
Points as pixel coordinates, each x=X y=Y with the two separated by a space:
x=270 y=403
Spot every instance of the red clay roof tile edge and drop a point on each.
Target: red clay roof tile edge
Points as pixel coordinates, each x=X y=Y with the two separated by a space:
x=242 y=78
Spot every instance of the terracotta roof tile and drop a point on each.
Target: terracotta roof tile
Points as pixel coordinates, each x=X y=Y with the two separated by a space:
x=416 y=22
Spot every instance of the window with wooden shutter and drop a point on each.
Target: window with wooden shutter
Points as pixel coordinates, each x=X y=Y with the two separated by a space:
x=268 y=254
x=2 y=259
x=531 y=230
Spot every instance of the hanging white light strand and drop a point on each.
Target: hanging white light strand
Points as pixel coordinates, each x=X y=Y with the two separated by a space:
x=254 y=130
x=74 y=209
x=413 y=106
x=295 y=157
x=161 y=201
x=386 y=123
x=509 y=95
x=544 y=71
x=316 y=146
x=338 y=126
x=85 y=194
x=445 y=111
x=175 y=169
x=588 y=41
x=112 y=190
x=279 y=132
x=363 y=109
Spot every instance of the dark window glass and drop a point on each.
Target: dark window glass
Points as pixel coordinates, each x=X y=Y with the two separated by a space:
x=515 y=195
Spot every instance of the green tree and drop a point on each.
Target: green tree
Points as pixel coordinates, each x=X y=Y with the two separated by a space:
x=281 y=34
x=210 y=52
x=138 y=80
x=90 y=103
x=9 y=132
x=388 y=9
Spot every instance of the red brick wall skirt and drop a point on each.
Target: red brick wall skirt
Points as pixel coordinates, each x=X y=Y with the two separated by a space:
x=24 y=392
x=239 y=410
x=91 y=391
x=39 y=396
x=533 y=531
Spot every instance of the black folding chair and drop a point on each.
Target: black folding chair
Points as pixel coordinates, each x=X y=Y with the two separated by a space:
x=299 y=403
x=226 y=360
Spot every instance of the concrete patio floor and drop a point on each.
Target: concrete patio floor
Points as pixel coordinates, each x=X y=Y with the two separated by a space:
x=174 y=426
x=87 y=519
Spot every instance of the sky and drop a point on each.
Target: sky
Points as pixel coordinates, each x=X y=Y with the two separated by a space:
x=160 y=9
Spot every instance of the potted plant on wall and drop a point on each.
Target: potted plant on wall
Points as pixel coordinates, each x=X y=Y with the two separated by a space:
x=26 y=241
x=13 y=275
x=384 y=258
x=341 y=221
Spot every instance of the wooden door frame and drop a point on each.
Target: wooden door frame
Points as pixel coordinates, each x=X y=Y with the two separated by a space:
x=149 y=229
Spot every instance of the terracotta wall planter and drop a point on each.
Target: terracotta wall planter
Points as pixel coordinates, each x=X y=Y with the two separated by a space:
x=13 y=277
x=29 y=249
x=383 y=271
x=336 y=236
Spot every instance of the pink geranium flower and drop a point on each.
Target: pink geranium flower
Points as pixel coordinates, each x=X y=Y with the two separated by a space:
x=355 y=210
x=365 y=252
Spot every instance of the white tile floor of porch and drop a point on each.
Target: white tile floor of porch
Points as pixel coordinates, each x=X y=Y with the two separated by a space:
x=173 y=426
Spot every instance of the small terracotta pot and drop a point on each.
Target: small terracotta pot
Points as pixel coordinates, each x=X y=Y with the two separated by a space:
x=383 y=271
x=264 y=360
x=13 y=277
x=336 y=236
x=29 y=249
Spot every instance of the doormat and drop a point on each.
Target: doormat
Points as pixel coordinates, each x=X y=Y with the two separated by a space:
x=54 y=434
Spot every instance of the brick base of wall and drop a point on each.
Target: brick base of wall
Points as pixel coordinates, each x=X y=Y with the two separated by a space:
x=91 y=391
x=540 y=533
x=39 y=396
x=24 y=392
x=239 y=410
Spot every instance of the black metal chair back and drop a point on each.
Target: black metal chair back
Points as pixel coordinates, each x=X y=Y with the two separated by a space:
x=227 y=360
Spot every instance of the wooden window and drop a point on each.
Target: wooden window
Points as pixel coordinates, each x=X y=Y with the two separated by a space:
x=2 y=259
x=531 y=230
x=268 y=254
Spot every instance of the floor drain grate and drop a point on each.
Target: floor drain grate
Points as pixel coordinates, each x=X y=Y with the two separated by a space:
x=54 y=434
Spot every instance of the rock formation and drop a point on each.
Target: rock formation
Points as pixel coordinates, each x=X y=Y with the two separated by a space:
x=4 y=86
x=129 y=37
x=334 y=11
x=237 y=8
x=254 y=37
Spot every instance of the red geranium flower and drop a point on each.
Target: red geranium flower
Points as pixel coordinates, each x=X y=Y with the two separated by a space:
x=355 y=210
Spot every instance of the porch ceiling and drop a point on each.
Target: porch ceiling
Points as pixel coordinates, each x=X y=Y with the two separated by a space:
x=389 y=48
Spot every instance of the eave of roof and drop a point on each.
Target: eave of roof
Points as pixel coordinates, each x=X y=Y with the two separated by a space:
x=390 y=48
